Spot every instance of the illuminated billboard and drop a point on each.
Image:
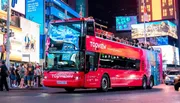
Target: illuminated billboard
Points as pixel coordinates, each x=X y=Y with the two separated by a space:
x=15 y=44
x=155 y=41
x=17 y=5
x=154 y=29
x=170 y=54
x=30 y=40
x=125 y=22
x=35 y=12
x=158 y=9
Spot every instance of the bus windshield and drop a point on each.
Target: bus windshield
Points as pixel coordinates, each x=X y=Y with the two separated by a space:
x=63 y=61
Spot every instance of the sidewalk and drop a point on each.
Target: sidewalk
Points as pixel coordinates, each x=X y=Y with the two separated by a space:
x=33 y=88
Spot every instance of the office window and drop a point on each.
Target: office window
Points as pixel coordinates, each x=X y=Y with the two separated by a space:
x=142 y=9
x=171 y=11
x=164 y=2
x=164 y=12
x=170 y=2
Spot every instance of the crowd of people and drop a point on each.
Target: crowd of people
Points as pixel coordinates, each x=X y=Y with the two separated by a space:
x=24 y=75
x=127 y=41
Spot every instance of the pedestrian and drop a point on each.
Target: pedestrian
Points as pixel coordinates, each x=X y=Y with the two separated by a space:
x=13 y=75
x=3 y=76
x=38 y=74
x=22 y=75
x=18 y=79
x=30 y=77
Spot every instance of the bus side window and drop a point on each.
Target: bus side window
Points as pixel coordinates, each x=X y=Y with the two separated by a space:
x=90 y=28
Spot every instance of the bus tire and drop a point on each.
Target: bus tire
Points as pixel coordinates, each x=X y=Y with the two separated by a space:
x=144 y=83
x=105 y=83
x=70 y=90
x=151 y=83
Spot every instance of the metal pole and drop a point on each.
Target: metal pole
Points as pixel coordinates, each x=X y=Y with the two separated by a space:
x=144 y=24
x=175 y=60
x=8 y=34
x=8 y=39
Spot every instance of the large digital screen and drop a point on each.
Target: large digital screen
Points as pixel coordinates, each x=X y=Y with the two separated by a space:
x=125 y=22
x=170 y=54
x=154 y=29
x=30 y=40
x=59 y=14
x=64 y=6
x=158 y=9
x=17 y=5
x=81 y=7
x=35 y=12
x=64 y=33
x=155 y=41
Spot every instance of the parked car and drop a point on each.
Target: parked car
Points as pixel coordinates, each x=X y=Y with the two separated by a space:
x=177 y=82
x=169 y=79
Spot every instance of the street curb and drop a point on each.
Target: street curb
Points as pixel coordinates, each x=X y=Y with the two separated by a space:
x=42 y=88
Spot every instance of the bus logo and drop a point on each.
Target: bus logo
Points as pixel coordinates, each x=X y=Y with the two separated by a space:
x=97 y=45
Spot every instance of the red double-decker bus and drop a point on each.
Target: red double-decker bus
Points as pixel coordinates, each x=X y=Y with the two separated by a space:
x=77 y=58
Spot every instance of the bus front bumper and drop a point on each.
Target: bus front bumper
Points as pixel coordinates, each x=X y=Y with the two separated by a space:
x=63 y=83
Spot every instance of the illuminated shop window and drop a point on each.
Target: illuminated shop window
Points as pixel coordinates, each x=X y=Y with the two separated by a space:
x=170 y=2
x=147 y=0
x=149 y=17
x=148 y=8
x=142 y=17
x=171 y=11
x=164 y=12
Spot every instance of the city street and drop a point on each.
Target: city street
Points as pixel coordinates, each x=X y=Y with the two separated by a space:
x=160 y=94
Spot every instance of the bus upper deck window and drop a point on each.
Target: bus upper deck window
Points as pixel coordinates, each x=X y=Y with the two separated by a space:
x=90 y=28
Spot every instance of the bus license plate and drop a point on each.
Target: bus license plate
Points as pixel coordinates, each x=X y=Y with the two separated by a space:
x=61 y=82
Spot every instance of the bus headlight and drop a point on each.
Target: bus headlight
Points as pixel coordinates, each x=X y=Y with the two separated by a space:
x=77 y=78
x=167 y=78
x=45 y=77
x=176 y=77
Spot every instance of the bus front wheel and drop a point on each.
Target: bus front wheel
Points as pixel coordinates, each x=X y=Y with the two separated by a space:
x=104 y=84
x=70 y=90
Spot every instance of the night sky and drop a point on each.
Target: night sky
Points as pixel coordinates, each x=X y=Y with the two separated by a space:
x=107 y=10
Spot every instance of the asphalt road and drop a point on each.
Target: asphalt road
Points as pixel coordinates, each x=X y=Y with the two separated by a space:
x=159 y=94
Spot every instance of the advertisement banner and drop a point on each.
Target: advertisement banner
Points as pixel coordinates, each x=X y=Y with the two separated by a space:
x=15 y=44
x=1 y=42
x=17 y=5
x=155 y=29
x=170 y=54
x=30 y=44
x=35 y=12
x=81 y=7
x=108 y=47
x=125 y=22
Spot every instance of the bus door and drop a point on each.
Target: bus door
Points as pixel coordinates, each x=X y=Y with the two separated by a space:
x=91 y=76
